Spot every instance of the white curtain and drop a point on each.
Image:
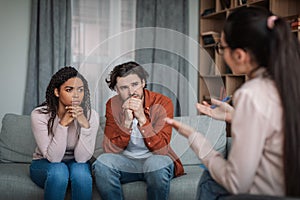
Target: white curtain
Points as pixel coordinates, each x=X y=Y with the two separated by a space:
x=103 y=36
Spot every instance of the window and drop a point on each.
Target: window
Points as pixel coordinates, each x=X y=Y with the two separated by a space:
x=99 y=36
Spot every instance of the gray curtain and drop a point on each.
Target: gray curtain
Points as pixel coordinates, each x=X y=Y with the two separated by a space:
x=50 y=47
x=163 y=49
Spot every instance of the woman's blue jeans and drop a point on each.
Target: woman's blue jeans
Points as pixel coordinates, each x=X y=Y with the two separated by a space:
x=54 y=178
x=209 y=189
x=112 y=170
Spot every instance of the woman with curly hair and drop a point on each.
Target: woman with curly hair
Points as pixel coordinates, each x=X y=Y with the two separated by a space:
x=64 y=128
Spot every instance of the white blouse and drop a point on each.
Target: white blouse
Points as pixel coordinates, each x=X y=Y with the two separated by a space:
x=255 y=161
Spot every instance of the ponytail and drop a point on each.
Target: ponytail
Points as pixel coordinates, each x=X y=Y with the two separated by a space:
x=278 y=50
x=284 y=67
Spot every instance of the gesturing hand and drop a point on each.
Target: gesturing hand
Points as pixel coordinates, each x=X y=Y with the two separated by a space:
x=183 y=129
x=223 y=111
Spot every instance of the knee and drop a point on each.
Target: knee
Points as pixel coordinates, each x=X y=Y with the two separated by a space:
x=205 y=178
x=81 y=172
x=159 y=176
x=59 y=173
x=159 y=173
x=157 y=163
x=103 y=165
x=206 y=182
x=208 y=188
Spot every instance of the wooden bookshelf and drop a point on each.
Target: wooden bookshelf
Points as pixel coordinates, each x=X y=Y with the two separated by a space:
x=216 y=79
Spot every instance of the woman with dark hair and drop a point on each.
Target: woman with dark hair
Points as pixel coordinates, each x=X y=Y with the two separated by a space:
x=65 y=129
x=264 y=156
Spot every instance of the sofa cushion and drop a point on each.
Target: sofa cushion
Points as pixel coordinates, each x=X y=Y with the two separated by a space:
x=99 y=139
x=15 y=182
x=17 y=143
x=214 y=130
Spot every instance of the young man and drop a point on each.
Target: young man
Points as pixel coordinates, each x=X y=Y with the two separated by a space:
x=137 y=139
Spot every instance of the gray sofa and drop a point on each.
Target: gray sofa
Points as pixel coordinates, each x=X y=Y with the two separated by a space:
x=17 y=145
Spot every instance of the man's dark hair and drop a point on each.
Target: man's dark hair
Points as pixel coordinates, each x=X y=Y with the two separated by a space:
x=125 y=69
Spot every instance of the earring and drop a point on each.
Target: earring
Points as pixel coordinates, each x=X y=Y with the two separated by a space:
x=56 y=93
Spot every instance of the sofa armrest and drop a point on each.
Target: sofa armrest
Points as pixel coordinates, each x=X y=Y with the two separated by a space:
x=16 y=139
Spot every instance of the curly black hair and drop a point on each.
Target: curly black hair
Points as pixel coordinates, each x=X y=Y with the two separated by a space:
x=51 y=103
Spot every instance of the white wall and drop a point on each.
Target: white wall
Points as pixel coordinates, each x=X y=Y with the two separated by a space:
x=14 y=45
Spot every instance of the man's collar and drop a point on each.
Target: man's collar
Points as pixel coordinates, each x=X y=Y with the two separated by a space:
x=147 y=100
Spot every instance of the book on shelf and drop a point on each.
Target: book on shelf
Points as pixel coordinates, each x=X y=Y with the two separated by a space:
x=222 y=93
x=294 y=22
x=295 y=25
x=242 y=2
x=225 y=4
x=210 y=37
x=208 y=11
x=219 y=96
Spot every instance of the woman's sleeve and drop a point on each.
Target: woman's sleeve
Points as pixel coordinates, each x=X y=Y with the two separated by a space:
x=249 y=128
x=52 y=148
